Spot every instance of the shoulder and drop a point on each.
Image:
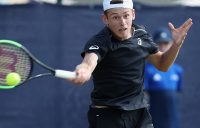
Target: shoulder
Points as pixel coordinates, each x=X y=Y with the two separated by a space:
x=140 y=31
x=148 y=43
x=140 y=28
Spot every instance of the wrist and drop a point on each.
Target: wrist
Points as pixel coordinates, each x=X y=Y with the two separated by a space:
x=175 y=45
x=85 y=70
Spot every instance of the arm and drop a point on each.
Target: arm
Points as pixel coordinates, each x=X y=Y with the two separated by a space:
x=85 y=69
x=163 y=60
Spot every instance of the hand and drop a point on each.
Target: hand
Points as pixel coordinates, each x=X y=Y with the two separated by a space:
x=85 y=69
x=179 y=34
x=83 y=74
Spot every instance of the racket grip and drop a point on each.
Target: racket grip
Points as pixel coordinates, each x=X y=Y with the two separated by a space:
x=65 y=74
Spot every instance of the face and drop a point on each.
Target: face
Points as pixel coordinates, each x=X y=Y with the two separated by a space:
x=119 y=20
x=164 y=46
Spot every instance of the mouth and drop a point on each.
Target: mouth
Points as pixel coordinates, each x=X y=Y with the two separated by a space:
x=122 y=29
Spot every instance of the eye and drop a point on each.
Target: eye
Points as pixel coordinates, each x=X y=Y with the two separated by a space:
x=115 y=17
x=126 y=16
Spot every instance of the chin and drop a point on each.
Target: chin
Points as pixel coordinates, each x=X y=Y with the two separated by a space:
x=121 y=36
x=124 y=37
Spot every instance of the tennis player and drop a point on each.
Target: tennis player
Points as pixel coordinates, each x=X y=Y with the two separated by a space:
x=115 y=57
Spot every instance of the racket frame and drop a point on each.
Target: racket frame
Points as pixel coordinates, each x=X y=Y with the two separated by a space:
x=32 y=58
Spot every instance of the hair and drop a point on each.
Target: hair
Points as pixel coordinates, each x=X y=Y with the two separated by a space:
x=105 y=12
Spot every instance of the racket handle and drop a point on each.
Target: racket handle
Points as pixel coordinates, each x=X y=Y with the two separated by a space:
x=65 y=74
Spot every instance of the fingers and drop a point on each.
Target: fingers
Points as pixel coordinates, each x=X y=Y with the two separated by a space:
x=186 y=26
x=179 y=34
x=186 y=23
x=182 y=30
x=171 y=26
x=81 y=77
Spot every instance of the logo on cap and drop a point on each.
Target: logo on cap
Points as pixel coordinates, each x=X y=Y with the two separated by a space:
x=116 y=1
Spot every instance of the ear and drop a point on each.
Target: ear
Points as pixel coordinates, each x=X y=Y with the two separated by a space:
x=133 y=12
x=104 y=19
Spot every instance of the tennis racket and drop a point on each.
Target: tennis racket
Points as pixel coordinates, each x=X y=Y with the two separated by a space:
x=14 y=57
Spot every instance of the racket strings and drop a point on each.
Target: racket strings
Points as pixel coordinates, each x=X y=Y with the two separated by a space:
x=13 y=59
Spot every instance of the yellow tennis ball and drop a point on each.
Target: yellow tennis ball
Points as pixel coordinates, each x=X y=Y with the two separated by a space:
x=13 y=79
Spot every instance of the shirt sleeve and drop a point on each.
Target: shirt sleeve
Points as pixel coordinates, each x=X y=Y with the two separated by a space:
x=151 y=46
x=97 y=46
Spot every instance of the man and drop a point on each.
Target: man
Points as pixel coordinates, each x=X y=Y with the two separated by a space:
x=162 y=87
x=115 y=57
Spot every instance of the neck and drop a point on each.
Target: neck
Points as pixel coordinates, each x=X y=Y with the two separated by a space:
x=131 y=34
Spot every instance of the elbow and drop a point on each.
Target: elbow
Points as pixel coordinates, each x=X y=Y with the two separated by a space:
x=163 y=69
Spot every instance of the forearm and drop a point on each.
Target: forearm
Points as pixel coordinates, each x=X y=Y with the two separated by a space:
x=85 y=69
x=168 y=57
x=89 y=62
x=179 y=35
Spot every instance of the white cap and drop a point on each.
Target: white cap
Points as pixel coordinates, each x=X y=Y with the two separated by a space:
x=108 y=4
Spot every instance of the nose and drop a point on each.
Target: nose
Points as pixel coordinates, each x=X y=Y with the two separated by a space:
x=122 y=21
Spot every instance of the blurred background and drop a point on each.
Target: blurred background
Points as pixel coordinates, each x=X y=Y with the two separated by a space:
x=92 y=2
x=55 y=31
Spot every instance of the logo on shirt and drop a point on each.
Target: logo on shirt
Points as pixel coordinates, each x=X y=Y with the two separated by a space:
x=139 y=41
x=94 y=47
